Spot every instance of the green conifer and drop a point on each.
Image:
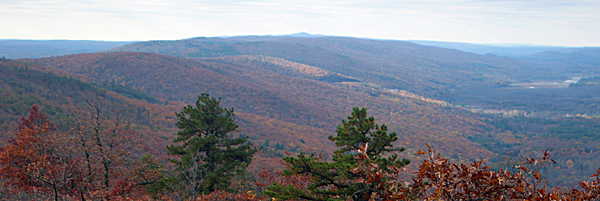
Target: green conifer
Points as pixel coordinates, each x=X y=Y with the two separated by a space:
x=335 y=180
x=209 y=157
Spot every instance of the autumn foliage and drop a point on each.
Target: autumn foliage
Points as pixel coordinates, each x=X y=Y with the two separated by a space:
x=34 y=160
x=439 y=179
x=89 y=161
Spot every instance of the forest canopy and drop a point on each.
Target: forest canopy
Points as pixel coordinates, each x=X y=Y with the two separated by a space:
x=90 y=160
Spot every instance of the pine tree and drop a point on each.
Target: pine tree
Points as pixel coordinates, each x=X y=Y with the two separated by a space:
x=209 y=157
x=338 y=179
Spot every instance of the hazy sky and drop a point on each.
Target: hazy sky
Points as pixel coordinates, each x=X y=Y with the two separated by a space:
x=553 y=22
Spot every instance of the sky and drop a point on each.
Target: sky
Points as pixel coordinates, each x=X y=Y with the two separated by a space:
x=550 y=22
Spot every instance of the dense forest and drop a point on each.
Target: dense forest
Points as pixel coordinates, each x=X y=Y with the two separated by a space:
x=483 y=114
x=90 y=160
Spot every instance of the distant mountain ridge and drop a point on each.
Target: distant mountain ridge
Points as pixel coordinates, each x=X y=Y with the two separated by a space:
x=565 y=60
x=14 y=49
x=510 y=50
x=570 y=60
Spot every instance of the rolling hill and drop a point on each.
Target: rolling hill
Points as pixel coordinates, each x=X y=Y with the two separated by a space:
x=281 y=92
x=584 y=61
x=424 y=70
x=64 y=96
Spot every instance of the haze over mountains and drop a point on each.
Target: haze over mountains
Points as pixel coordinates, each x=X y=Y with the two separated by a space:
x=14 y=49
x=289 y=92
x=510 y=50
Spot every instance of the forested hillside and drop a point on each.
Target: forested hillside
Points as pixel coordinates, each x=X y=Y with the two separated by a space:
x=423 y=70
x=264 y=86
x=62 y=96
x=583 y=61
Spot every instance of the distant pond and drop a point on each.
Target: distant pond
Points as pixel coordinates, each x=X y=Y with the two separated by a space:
x=546 y=84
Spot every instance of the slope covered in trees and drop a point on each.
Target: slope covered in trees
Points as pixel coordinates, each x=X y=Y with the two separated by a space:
x=583 y=61
x=61 y=95
x=289 y=99
x=423 y=70
x=476 y=81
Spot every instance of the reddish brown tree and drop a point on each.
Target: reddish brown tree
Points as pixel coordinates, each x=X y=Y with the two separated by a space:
x=37 y=160
x=87 y=161
x=439 y=179
x=103 y=140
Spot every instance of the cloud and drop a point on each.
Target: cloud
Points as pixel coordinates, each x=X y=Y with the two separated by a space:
x=491 y=21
